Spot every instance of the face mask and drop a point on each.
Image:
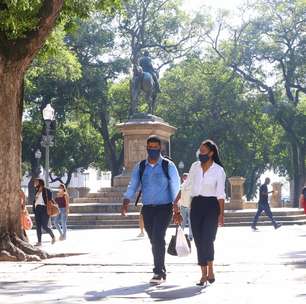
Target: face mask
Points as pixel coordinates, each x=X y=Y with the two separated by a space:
x=153 y=153
x=203 y=158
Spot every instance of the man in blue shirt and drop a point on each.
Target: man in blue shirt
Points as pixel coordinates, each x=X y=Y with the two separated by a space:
x=159 y=190
x=263 y=205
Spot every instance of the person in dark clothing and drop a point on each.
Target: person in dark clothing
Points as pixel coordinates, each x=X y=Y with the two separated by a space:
x=263 y=205
x=42 y=196
x=146 y=63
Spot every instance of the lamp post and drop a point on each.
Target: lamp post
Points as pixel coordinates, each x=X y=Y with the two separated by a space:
x=37 y=157
x=47 y=139
x=181 y=166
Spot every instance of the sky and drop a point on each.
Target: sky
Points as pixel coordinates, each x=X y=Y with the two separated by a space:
x=227 y=4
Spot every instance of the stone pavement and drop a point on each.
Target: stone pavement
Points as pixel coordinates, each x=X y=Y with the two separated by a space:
x=114 y=266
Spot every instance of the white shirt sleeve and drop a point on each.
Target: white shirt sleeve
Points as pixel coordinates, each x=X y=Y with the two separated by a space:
x=220 y=189
x=188 y=182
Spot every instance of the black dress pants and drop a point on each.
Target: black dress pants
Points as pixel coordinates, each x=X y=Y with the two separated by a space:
x=156 y=221
x=204 y=215
x=42 y=219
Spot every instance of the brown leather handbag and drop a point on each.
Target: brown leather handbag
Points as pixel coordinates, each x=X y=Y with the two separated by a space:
x=52 y=207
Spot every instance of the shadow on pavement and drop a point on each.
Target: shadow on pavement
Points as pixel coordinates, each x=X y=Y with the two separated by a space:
x=28 y=287
x=298 y=258
x=159 y=292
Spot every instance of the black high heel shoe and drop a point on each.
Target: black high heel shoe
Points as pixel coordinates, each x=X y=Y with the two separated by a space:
x=202 y=283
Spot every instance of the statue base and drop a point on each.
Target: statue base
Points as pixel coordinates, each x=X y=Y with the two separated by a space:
x=135 y=133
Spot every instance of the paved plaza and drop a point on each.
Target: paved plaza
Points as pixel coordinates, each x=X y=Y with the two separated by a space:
x=114 y=266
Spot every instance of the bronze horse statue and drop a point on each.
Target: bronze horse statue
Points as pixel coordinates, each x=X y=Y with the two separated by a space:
x=143 y=82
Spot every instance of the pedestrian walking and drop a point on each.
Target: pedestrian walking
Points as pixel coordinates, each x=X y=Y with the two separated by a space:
x=206 y=180
x=184 y=204
x=159 y=182
x=60 y=222
x=303 y=199
x=42 y=196
x=263 y=205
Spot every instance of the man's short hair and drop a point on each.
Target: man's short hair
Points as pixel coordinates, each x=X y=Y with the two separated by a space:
x=153 y=139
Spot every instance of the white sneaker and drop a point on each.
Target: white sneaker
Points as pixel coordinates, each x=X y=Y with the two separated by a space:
x=141 y=234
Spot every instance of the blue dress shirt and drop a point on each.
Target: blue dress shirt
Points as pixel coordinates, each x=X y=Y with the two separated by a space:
x=156 y=188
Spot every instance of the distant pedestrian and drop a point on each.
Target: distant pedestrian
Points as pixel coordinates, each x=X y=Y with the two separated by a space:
x=206 y=181
x=184 y=203
x=303 y=199
x=159 y=181
x=263 y=205
x=42 y=196
x=60 y=222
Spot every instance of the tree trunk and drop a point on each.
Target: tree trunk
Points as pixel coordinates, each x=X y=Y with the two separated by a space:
x=15 y=57
x=115 y=162
x=12 y=247
x=298 y=168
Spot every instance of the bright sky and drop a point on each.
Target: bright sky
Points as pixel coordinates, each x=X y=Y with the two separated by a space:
x=227 y=4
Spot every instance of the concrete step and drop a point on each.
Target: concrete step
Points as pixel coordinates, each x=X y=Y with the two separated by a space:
x=97 y=215
x=84 y=208
x=98 y=200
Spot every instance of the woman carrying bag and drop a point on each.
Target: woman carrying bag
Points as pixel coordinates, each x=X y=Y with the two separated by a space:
x=42 y=196
x=206 y=181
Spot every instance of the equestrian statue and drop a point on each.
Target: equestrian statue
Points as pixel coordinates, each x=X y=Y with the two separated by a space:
x=145 y=79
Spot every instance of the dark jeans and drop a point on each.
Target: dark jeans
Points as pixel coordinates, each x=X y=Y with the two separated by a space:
x=156 y=221
x=42 y=219
x=266 y=208
x=204 y=215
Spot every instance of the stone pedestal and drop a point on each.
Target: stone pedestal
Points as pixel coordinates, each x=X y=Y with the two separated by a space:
x=237 y=192
x=276 y=198
x=135 y=133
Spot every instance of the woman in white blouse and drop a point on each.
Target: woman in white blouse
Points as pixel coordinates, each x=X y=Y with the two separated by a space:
x=206 y=181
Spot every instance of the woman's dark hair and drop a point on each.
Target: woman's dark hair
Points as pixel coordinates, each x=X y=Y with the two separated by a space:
x=64 y=187
x=154 y=138
x=213 y=147
x=41 y=182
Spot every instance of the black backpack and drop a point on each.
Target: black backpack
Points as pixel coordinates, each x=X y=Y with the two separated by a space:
x=142 y=166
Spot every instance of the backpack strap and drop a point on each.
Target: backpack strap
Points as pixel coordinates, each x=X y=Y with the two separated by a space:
x=165 y=166
x=142 y=166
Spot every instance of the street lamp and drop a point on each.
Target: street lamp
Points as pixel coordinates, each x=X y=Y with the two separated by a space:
x=47 y=139
x=38 y=157
x=181 y=166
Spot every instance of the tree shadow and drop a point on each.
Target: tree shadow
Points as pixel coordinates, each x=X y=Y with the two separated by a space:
x=28 y=287
x=297 y=258
x=157 y=292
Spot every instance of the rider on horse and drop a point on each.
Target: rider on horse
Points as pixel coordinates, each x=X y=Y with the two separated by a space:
x=146 y=64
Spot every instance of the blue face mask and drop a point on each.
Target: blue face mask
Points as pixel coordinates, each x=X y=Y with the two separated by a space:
x=153 y=153
x=203 y=158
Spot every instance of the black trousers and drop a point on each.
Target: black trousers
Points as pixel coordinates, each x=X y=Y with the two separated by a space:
x=204 y=215
x=42 y=219
x=156 y=221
